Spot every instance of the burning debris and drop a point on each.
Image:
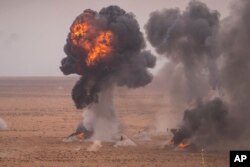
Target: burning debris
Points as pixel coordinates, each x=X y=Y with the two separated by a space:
x=206 y=123
x=207 y=56
x=82 y=131
x=106 y=48
x=184 y=145
x=80 y=134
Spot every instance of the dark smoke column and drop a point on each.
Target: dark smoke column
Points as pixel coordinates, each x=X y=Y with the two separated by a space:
x=188 y=39
x=195 y=39
x=105 y=48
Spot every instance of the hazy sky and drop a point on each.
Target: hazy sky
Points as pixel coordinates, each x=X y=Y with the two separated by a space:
x=33 y=32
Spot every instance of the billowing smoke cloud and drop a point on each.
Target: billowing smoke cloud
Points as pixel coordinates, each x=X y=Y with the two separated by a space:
x=194 y=40
x=188 y=39
x=204 y=124
x=106 y=48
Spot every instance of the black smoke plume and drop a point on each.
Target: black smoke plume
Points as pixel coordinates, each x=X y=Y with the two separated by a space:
x=125 y=65
x=188 y=39
x=205 y=124
x=209 y=51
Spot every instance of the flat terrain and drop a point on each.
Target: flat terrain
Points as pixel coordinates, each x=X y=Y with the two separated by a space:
x=40 y=113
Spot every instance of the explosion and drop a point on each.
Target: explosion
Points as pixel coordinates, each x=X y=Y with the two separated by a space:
x=99 y=48
x=209 y=58
x=106 y=48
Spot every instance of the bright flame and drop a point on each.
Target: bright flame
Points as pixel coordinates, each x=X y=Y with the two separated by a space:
x=102 y=47
x=96 y=44
x=183 y=145
x=79 y=34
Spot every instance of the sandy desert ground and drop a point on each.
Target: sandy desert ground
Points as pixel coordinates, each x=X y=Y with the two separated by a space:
x=40 y=113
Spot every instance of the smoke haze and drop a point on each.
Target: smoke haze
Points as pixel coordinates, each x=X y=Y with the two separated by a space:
x=235 y=38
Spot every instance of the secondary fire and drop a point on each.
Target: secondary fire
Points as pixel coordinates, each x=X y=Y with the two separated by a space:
x=182 y=145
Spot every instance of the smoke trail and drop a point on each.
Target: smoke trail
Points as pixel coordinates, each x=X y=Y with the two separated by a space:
x=194 y=40
x=106 y=48
x=101 y=117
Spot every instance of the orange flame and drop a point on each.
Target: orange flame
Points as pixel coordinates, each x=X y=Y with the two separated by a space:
x=102 y=47
x=78 y=34
x=96 y=44
x=183 y=145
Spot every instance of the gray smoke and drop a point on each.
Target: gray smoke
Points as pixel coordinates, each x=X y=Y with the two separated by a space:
x=206 y=56
x=124 y=63
x=188 y=39
x=101 y=118
x=204 y=124
x=235 y=40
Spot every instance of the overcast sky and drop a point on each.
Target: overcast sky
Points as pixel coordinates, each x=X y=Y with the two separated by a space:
x=33 y=32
